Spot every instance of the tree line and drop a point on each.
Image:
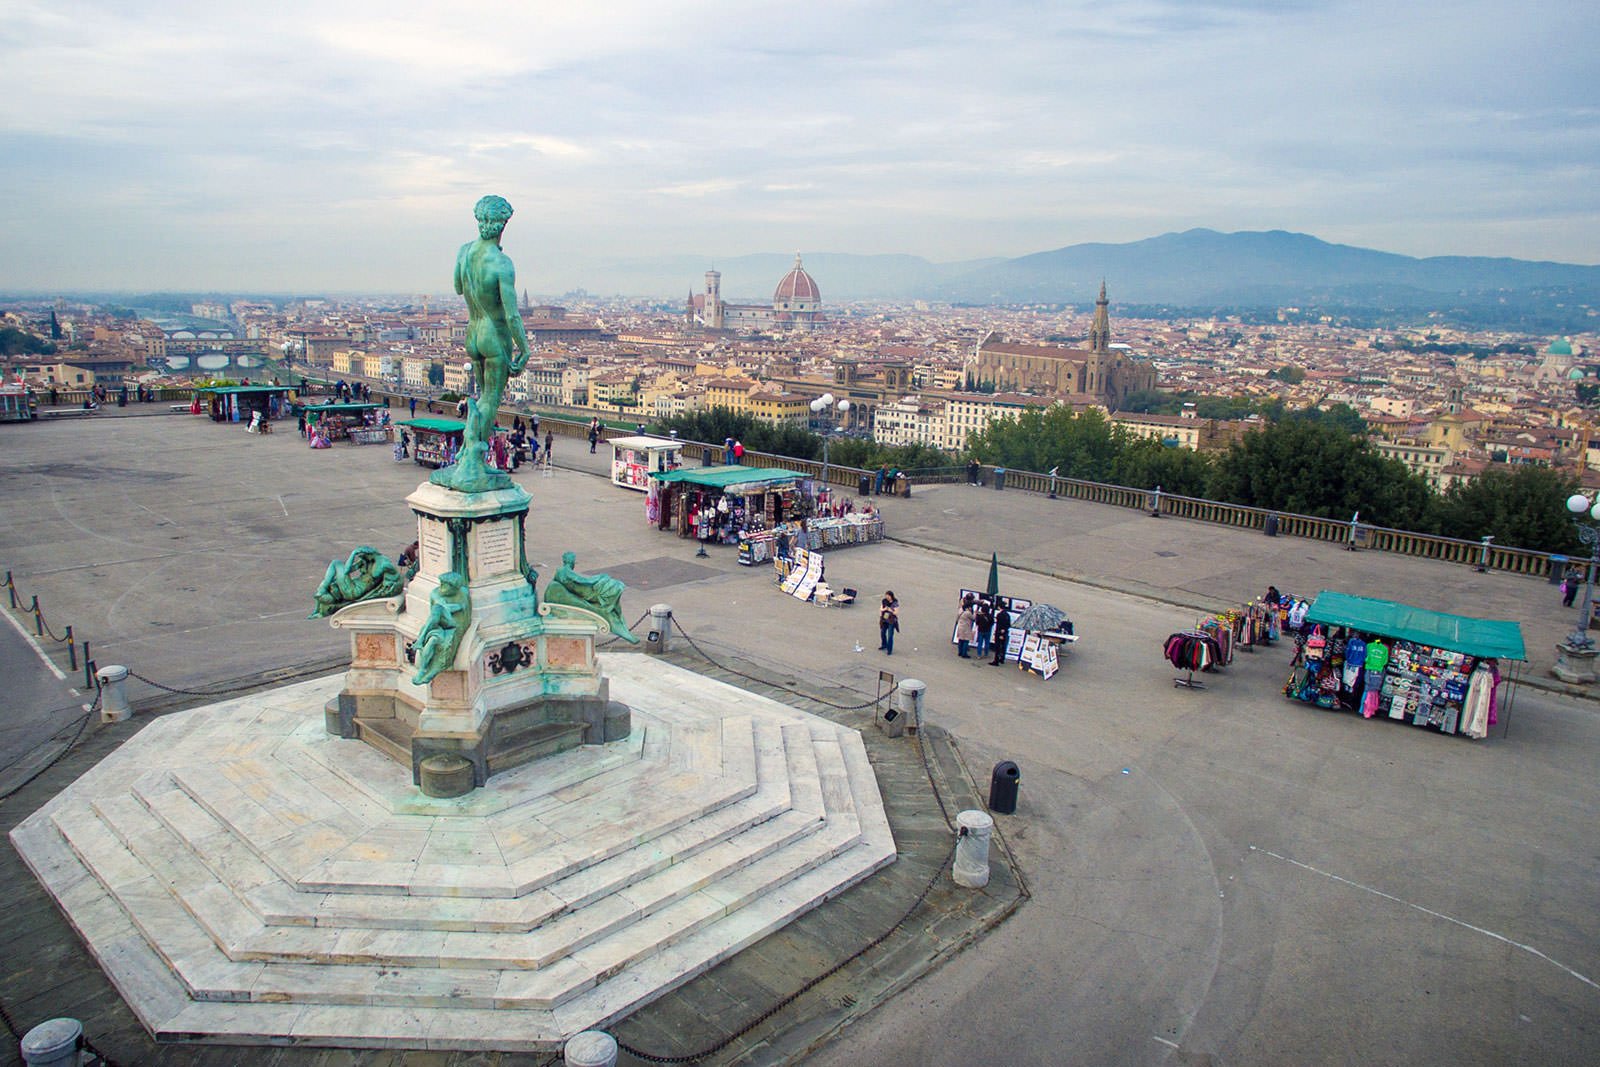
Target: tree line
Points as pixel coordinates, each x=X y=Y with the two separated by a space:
x=1307 y=461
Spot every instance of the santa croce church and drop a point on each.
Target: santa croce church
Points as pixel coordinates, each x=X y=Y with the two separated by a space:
x=1099 y=374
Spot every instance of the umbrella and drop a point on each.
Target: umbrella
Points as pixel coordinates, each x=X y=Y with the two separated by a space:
x=1040 y=617
x=994 y=574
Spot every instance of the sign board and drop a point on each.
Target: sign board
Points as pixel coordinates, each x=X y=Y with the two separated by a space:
x=1038 y=654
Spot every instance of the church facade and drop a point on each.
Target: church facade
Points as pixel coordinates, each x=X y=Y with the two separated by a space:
x=1101 y=374
x=796 y=305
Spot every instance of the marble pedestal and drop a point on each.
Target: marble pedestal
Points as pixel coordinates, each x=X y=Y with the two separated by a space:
x=244 y=877
x=525 y=682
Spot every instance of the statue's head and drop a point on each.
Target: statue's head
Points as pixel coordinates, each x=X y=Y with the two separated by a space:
x=452 y=581
x=568 y=558
x=492 y=213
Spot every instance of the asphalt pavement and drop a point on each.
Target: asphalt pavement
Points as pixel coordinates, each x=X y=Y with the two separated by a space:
x=1218 y=876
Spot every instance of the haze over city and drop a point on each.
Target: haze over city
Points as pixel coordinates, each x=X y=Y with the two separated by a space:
x=299 y=146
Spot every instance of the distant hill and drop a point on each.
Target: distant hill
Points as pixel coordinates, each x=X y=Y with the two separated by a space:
x=1204 y=267
x=1197 y=270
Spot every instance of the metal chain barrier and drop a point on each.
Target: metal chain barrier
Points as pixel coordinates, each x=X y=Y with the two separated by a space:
x=614 y=637
x=255 y=683
x=766 y=681
x=811 y=984
x=43 y=627
x=83 y=724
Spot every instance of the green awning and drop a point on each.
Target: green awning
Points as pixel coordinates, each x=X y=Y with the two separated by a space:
x=241 y=390
x=733 y=474
x=436 y=425
x=344 y=409
x=1500 y=638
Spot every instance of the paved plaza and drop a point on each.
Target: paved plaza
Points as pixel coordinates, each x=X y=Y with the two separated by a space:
x=1216 y=876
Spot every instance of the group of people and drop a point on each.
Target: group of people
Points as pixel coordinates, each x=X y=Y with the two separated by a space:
x=732 y=450
x=980 y=627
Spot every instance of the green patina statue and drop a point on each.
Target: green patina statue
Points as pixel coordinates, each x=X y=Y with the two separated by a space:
x=497 y=345
x=599 y=593
x=449 y=610
x=366 y=575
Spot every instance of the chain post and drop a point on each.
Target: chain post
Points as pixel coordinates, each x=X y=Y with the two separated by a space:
x=88 y=668
x=72 y=648
x=11 y=587
x=38 y=618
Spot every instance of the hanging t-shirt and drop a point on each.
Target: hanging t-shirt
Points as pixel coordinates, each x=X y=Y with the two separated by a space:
x=1355 y=657
x=1297 y=614
x=1377 y=657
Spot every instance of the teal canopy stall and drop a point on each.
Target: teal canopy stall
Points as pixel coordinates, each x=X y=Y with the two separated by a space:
x=1483 y=638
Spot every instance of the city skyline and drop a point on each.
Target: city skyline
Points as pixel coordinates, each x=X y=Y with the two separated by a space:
x=188 y=148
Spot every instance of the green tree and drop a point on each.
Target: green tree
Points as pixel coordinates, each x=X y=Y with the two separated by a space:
x=1081 y=446
x=1313 y=467
x=1292 y=375
x=435 y=374
x=1525 y=507
x=1147 y=463
x=15 y=342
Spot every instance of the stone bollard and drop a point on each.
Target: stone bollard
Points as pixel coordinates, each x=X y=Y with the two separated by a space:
x=113 y=693
x=53 y=1043
x=971 y=868
x=592 y=1048
x=656 y=640
x=907 y=700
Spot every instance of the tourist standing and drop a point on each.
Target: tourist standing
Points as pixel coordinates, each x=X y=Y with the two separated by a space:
x=982 y=623
x=965 y=627
x=727 y=449
x=1002 y=633
x=413 y=407
x=738 y=451
x=549 y=448
x=1570 y=581
x=888 y=622
x=594 y=435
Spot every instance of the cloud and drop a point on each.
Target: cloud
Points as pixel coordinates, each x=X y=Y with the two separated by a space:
x=644 y=128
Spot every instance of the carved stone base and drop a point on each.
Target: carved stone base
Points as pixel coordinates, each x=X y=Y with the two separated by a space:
x=1574 y=665
x=524 y=683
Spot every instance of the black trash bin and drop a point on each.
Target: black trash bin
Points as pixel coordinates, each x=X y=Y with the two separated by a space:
x=1270 y=527
x=1558 y=567
x=865 y=488
x=999 y=477
x=1003 y=788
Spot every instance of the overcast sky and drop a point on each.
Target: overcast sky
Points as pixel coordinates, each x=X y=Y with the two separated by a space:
x=340 y=144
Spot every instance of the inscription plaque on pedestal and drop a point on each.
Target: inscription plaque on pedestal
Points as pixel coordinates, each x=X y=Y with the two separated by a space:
x=496 y=549
x=433 y=547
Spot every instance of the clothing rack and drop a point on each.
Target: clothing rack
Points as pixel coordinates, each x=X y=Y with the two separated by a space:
x=1192 y=650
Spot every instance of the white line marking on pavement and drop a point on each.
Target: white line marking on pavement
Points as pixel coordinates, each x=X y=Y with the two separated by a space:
x=284 y=506
x=1164 y=1041
x=1429 y=911
x=60 y=676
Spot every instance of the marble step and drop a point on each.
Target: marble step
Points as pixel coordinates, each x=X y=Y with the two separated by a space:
x=208 y=975
x=392 y=737
x=678 y=864
x=316 y=843
x=533 y=743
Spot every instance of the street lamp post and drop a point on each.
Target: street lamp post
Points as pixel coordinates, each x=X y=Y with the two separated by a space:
x=827 y=404
x=1575 y=656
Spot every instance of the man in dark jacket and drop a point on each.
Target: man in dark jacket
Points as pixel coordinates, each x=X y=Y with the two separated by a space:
x=1002 y=632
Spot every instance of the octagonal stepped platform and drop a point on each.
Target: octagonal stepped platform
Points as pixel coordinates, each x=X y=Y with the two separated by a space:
x=244 y=877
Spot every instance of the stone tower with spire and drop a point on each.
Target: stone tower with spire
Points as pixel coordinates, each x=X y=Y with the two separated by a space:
x=1099 y=344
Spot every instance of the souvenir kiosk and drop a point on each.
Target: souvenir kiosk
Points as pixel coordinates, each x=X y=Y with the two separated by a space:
x=338 y=420
x=1386 y=660
x=723 y=504
x=635 y=459
x=435 y=441
x=236 y=403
